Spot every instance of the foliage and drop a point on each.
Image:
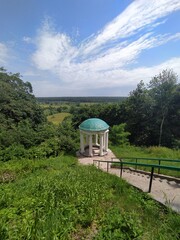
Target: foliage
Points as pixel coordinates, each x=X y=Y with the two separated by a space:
x=162 y=88
x=118 y=135
x=20 y=114
x=17 y=101
x=110 y=113
x=13 y=152
x=68 y=136
x=54 y=108
x=138 y=115
x=59 y=199
x=48 y=141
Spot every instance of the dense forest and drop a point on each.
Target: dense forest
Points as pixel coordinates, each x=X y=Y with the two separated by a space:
x=149 y=117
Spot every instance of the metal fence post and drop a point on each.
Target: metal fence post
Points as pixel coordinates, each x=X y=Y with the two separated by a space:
x=121 y=169
x=159 y=168
x=151 y=178
x=107 y=166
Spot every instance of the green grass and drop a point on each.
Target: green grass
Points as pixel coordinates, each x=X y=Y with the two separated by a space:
x=60 y=199
x=57 y=117
x=151 y=152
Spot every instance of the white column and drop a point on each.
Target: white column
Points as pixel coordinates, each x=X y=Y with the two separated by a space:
x=106 y=141
x=96 y=139
x=101 y=144
x=90 y=145
x=82 y=142
x=104 y=145
x=87 y=140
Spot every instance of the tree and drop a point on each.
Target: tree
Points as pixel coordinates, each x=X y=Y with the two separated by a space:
x=118 y=135
x=20 y=113
x=137 y=115
x=173 y=119
x=16 y=99
x=162 y=88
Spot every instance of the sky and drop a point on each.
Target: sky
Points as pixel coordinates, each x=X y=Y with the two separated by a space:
x=89 y=47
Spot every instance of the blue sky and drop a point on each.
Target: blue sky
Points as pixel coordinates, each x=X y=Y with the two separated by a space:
x=89 y=48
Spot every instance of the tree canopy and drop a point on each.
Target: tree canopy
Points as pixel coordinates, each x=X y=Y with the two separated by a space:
x=20 y=114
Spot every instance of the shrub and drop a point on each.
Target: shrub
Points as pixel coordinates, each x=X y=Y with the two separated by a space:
x=118 y=135
x=13 y=152
x=68 y=136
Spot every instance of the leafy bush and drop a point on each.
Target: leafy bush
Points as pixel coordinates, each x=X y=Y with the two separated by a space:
x=68 y=136
x=13 y=152
x=118 y=135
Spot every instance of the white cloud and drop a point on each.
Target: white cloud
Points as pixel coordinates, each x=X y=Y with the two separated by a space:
x=103 y=59
x=3 y=53
x=140 y=14
x=27 y=39
x=121 y=81
x=53 y=49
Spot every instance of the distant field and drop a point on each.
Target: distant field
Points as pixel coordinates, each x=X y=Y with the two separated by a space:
x=57 y=117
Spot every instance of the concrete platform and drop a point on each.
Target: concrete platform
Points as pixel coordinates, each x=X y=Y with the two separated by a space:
x=164 y=190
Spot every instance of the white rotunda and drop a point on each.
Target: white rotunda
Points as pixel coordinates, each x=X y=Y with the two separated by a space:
x=94 y=137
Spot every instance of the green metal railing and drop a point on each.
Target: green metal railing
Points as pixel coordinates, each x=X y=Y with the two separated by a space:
x=152 y=166
x=152 y=159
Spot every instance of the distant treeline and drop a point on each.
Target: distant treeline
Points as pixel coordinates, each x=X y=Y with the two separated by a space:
x=80 y=99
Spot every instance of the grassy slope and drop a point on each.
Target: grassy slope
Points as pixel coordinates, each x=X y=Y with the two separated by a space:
x=151 y=152
x=58 y=199
x=57 y=117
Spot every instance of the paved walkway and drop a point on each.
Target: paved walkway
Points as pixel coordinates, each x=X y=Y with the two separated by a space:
x=164 y=190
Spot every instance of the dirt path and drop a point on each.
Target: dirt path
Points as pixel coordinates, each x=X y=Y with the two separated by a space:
x=166 y=191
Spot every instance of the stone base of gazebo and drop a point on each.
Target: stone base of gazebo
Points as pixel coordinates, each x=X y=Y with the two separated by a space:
x=95 y=151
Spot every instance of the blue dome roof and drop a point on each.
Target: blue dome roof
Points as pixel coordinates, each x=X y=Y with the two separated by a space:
x=93 y=125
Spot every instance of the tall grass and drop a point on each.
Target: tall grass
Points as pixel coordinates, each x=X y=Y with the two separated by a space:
x=59 y=199
x=163 y=152
x=152 y=152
